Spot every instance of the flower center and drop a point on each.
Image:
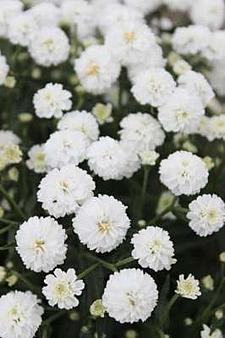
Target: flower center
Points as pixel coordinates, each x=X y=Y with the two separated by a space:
x=131 y=298
x=64 y=186
x=188 y=287
x=48 y=43
x=93 y=69
x=39 y=245
x=155 y=246
x=129 y=37
x=104 y=226
x=61 y=289
x=210 y=215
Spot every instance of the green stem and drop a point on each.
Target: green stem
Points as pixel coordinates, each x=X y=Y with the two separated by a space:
x=12 y=202
x=54 y=317
x=168 y=309
x=5 y=229
x=163 y=213
x=124 y=261
x=87 y=271
x=107 y=265
x=7 y=246
x=8 y=221
x=144 y=190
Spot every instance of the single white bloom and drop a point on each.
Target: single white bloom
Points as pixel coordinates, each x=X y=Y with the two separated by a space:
x=20 y=315
x=148 y=157
x=153 y=248
x=41 y=243
x=96 y=69
x=21 y=28
x=65 y=147
x=188 y=287
x=183 y=173
x=153 y=86
x=81 y=121
x=181 y=66
x=181 y=112
x=37 y=159
x=62 y=287
x=130 y=295
x=62 y=191
x=101 y=223
x=9 y=9
x=4 y=69
x=110 y=159
x=215 y=49
x=49 y=46
x=51 y=101
x=45 y=14
x=206 y=214
x=8 y=137
x=208 y=333
x=103 y=113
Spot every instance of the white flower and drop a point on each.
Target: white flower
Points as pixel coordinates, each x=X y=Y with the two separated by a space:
x=148 y=157
x=81 y=121
x=103 y=113
x=144 y=6
x=37 y=159
x=183 y=173
x=181 y=66
x=130 y=295
x=178 y=5
x=20 y=315
x=153 y=248
x=9 y=9
x=21 y=28
x=62 y=288
x=216 y=128
x=49 y=46
x=215 y=49
x=45 y=14
x=41 y=243
x=206 y=214
x=51 y=101
x=208 y=13
x=101 y=223
x=153 y=86
x=188 y=287
x=96 y=69
x=110 y=159
x=4 y=69
x=197 y=83
x=62 y=191
x=8 y=137
x=65 y=147
x=141 y=131
x=181 y=112
x=207 y=333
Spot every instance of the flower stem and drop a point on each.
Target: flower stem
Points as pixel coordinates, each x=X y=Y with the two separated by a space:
x=12 y=202
x=124 y=261
x=168 y=309
x=107 y=265
x=88 y=270
x=7 y=246
x=163 y=213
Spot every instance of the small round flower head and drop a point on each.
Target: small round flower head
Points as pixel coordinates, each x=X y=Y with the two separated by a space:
x=103 y=113
x=110 y=159
x=181 y=112
x=183 y=173
x=62 y=191
x=153 y=248
x=215 y=50
x=37 y=159
x=45 y=14
x=81 y=121
x=4 y=69
x=62 y=287
x=96 y=69
x=208 y=13
x=144 y=6
x=148 y=157
x=141 y=131
x=178 y=5
x=191 y=40
x=65 y=147
x=216 y=77
x=130 y=295
x=197 y=83
x=101 y=223
x=216 y=127
x=188 y=287
x=8 y=137
x=21 y=28
x=20 y=315
x=49 y=46
x=51 y=101
x=153 y=87
x=208 y=333
x=206 y=214
x=9 y=9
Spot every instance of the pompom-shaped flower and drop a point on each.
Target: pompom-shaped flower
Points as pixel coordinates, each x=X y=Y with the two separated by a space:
x=49 y=46
x=183 y=173
x=62 y=191
x=141 y=131
x=188 y=287
x=20 y=315
x=153 y=87
x=62 y=287
x=51 y=101
x=21 y=28
x=8 y=137
x=153 y=248
x=81 y=121
x=4 y=69
x=37 y=159
x=206 y=214
x=181 y=112
x=45 y=14
x=101 y=223
x=110 y=159
x=9 y=9
x=96 y=69
x=130 y=295
x=41 y=243
x=65 y=147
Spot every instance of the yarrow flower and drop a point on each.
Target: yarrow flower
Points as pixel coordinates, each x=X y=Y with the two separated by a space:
x=20 y=314
x=153 y=248
x=45 y=14
x=37 y=159
x=130 y=295
x=51 y=101
x=208 y=333
x=21 y=29
x=183 y=173
x=63 y=190
x=188 y=287
x=9 y=9
x=62 y=288
x=206 y=214
x=4 y=69
x=101 y=223
x=41 y=243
